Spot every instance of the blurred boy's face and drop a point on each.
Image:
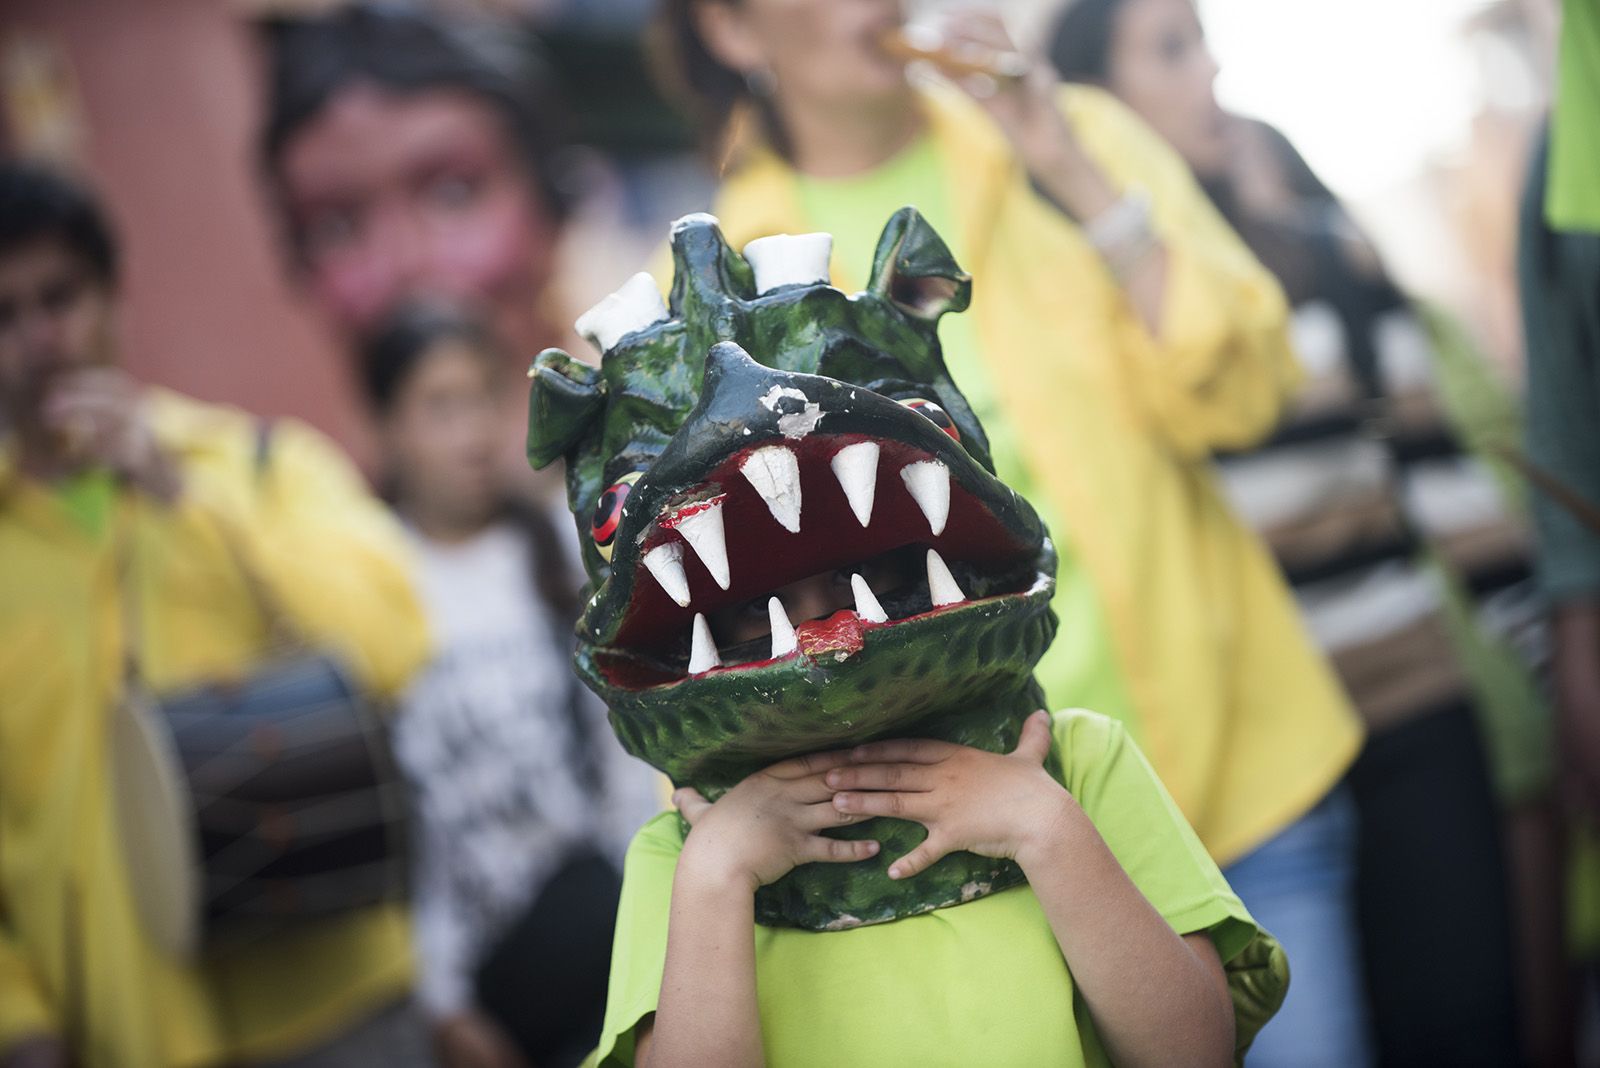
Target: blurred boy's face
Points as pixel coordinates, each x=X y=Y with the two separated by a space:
x=441 y=437
x=1160 y=66
x=56 y=316
x=395 y=197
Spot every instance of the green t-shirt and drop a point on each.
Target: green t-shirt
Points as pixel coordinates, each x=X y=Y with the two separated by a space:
x=980 y=983
x=89 y=498
x=1078 y=669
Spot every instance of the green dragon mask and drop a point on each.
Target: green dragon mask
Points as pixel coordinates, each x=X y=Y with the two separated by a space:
x=764 y=427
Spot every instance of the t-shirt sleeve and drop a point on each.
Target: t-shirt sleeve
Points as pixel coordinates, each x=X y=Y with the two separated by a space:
x=1155 y=845
x=639 y=953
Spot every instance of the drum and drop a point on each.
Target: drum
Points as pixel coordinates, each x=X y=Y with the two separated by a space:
x=246 y=809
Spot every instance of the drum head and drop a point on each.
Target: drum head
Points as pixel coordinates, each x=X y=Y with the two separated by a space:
x=157 y=827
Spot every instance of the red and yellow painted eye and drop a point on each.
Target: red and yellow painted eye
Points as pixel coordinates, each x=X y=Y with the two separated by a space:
x=608 y=513
x=938 y=415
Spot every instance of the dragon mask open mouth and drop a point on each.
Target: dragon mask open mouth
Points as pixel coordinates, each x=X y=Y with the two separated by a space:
x=765 y=430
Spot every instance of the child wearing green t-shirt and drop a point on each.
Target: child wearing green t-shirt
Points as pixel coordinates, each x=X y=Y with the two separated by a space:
x=1150 y=994
x=1112 y=952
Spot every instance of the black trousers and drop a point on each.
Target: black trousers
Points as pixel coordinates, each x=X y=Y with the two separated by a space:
x=545 y=980
x=1431 y=896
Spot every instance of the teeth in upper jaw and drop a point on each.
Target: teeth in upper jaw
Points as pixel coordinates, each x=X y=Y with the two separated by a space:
x=774 y=471
x=789 y=259
x=856 y=468
x=665 y=562
x=942 y=588
x=929 y=484
x=703 y=531
x=783 y=639
x=867 y=606
x=636 y=305
x=703 y=655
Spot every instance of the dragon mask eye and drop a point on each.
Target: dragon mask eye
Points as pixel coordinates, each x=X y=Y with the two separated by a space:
x=608 y=513
x=938 y=415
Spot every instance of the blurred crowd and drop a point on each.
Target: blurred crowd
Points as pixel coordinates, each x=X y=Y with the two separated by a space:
x=270 y=278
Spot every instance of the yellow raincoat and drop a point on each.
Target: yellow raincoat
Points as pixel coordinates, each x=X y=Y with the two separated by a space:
x=74 y=960
x=1213 y=671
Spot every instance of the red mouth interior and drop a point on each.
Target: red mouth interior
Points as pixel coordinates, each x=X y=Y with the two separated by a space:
x=763 y=556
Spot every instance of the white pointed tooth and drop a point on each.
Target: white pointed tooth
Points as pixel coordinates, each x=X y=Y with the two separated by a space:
x=856 y=468
x=703 y=531
x=774 y=471
x=789 y=259
x=942 y=588
x=703 y=655
x=783 y=639
x=867 y=606
x=929 y=483
x=665 y=562
x=636 y=305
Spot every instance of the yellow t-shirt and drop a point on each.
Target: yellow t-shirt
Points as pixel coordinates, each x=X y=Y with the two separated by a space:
x=980 y=983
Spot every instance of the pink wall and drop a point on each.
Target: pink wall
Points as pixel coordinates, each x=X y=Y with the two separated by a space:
x=169 y=90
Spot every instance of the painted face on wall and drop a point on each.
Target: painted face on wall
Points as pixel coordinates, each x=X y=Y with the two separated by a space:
x=793 y=532
x=396 y=197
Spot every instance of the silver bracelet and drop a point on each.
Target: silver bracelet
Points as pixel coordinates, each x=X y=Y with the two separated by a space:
x=1122 y=233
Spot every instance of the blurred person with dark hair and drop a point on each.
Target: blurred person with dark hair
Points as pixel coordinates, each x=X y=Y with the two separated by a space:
x=525 y=799
x=1361 y=492
x=1120 y=333
x=139 y=533
x=414 y=154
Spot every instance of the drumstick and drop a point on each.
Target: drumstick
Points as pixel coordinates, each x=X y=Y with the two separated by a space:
x=911 y=43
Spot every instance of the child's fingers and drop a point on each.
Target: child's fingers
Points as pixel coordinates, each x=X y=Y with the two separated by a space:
x=809 y=791
x=825 y=814
x=903 y=751
x=905 y=806
x=911 y=777
x=919 y=859
x=1034 y=745
x=836 y=850
x=690 y=802
x=810 y=764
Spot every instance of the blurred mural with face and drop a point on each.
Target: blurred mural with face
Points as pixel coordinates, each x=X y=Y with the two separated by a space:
x=394 y=197
x=410 y=156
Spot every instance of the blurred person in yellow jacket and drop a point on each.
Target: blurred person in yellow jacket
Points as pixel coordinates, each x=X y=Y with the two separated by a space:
x=1120 y=332
x=1409 y=562
x=112 y=490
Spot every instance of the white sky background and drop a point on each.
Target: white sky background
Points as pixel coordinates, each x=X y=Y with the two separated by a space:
x=1369 y=90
